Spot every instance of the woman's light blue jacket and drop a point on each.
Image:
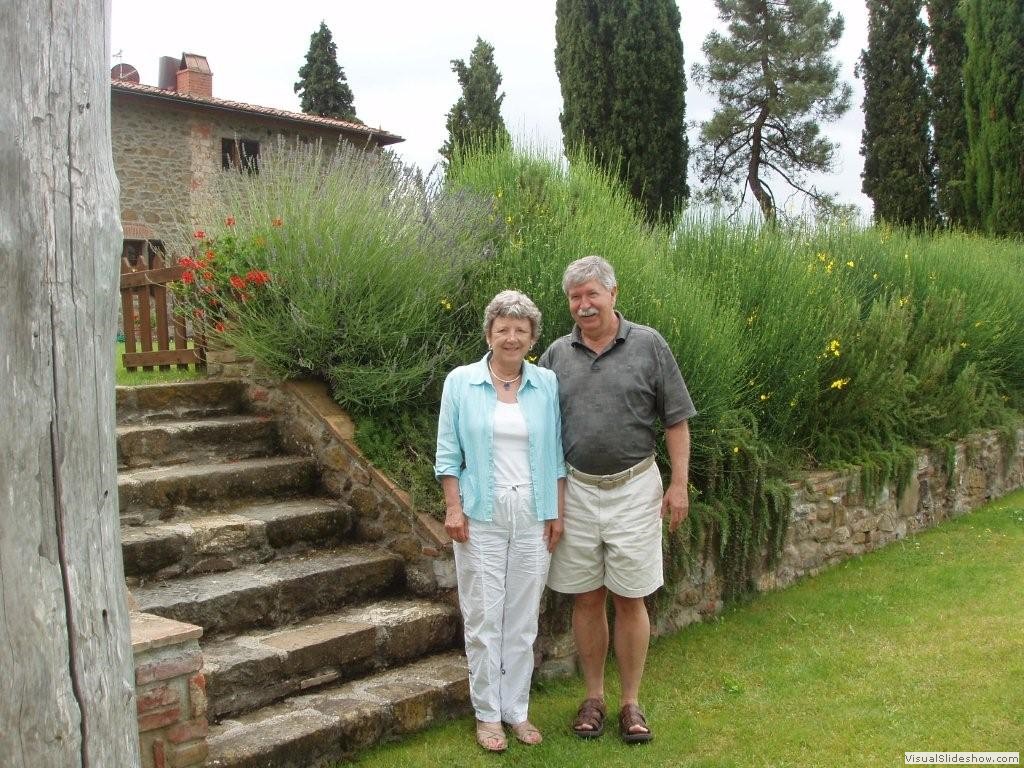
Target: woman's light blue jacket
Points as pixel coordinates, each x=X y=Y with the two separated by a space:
x=465 y=437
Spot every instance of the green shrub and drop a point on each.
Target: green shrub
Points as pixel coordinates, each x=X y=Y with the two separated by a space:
x=366 y=270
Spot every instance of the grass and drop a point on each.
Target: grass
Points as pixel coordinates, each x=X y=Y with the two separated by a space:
x=915 y=647
x=126 y=378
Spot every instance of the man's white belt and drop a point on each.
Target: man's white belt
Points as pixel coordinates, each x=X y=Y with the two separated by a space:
x=607 y=482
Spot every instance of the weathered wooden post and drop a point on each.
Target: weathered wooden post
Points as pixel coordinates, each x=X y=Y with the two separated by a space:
x=65 y=653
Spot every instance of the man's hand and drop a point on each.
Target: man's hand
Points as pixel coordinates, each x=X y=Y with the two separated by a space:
x=676 y=504
x=553 y=532
x=457 y=524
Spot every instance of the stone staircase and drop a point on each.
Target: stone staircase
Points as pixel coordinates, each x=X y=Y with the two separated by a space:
x=313 y=648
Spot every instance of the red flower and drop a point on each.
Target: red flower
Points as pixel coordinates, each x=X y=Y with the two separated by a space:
x=199 y=234
x=277 y=221
x=188 y=276
x=219 y=327
x=188 y=262
x=258 y=277
x=207 y=275
x=199 y=313
x=238 y=283
x=230 y=221
x=210 y=254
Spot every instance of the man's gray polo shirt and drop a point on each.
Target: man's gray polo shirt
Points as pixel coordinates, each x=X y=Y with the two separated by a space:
x=611 y=401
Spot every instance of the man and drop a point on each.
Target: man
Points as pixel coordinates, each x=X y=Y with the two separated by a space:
x=616 y=380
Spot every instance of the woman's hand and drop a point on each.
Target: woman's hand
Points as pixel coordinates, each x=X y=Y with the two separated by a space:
x=456 y=524
x=553 y=532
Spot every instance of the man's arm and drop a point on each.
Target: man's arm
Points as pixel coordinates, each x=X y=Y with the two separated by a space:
x=677 y=496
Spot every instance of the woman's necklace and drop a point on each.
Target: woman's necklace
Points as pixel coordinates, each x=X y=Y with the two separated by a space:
x=506 y=383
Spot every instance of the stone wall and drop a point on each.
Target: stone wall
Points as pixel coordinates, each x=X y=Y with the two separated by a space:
x=832 y=519
x=170 y=692
x=165 y=155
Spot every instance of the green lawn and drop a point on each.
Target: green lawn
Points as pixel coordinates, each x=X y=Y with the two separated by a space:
x=916 y=647
x=156 y=376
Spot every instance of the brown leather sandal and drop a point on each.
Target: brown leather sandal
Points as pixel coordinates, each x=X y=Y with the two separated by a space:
x=630 y=716
x=589 y=722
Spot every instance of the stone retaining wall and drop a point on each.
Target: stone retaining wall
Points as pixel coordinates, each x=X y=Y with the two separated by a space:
x=170 y=692
x=832 y=520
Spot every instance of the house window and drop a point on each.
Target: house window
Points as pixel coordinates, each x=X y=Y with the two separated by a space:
x=240 y=154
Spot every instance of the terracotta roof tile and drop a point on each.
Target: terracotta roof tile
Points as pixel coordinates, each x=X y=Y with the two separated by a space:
x=381 y=136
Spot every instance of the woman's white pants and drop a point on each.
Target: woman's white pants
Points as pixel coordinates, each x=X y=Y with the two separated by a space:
x=501 y=572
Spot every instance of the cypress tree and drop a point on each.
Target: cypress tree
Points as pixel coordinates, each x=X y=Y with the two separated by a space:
x=994 y=100
x=621 y=70
x=898 y=173
x=322 y=85
x=476 y=117
x=775 y=82
x=947 y=51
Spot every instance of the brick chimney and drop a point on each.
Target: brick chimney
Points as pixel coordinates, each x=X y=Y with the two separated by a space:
x=194 y=76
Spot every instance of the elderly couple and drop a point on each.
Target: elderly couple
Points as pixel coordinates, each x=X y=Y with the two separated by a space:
x=549 y=478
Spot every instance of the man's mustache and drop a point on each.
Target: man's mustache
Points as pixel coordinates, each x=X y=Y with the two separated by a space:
x=589 y=312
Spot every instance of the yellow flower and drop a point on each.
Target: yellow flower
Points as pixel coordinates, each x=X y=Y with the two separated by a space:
x=792 y=403
x=851 y=264
x=874 y=276
x=498 y=194
x=839 y=383
x=904 y=300
x=446 y=304
x=833 y=348
x=531 y=358
x=735 y=449
x=822 y=257
x=765 y=396
x=829 y=266
x=963 y=345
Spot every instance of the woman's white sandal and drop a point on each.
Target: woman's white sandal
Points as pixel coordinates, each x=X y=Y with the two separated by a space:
x=491 y=737
x=526 y=733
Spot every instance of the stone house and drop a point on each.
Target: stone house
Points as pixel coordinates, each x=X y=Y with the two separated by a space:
x=168 y=140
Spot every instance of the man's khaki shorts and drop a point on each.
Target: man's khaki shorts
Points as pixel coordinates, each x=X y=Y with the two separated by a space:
x=612 y=538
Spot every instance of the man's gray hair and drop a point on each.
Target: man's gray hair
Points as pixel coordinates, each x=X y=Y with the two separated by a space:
x=586 y=269
x=513 y=304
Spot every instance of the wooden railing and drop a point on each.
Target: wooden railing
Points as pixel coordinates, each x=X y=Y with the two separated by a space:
x=148 y=317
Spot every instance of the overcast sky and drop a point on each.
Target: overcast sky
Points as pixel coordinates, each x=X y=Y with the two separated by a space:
x=396 y=57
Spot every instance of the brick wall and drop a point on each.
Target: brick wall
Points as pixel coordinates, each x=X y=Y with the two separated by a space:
x=170 y=692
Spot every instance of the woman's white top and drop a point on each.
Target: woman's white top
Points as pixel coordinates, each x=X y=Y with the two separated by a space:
x=511 y=446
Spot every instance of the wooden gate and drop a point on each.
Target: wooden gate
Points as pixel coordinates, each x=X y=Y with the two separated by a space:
x=148 y=318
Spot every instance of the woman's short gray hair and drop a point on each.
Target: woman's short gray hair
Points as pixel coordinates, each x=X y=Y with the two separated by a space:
x=586 y=269
x=513 y=304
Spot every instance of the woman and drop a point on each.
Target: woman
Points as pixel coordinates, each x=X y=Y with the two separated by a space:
x=499 y=460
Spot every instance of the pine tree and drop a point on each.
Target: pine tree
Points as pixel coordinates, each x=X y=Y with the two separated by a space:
x=775 y=82
x=620 y=65
x=947 y=51
x=898 y=172
x=475 y=119
x=994 y=99
x=322 y=85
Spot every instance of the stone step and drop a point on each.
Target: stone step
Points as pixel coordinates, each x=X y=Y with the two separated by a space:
x=176 y=442
x=321 y=728
x=257 y=668
x=151 y=493
x=275 y=593
x=180 y=400
x=220 y=542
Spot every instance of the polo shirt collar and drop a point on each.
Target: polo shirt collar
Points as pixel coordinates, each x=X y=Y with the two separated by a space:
x=576 y=338
x=480 y=375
